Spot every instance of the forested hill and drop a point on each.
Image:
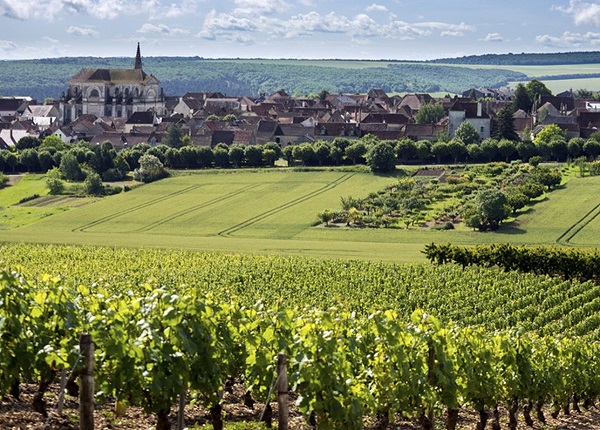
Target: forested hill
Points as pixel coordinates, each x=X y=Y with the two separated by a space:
x=539 y=59
x=178 y=75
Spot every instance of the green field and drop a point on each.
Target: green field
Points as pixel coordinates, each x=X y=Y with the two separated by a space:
x=274 y=212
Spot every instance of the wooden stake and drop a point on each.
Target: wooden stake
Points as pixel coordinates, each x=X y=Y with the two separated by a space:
x=86 y=393
x=282 y=392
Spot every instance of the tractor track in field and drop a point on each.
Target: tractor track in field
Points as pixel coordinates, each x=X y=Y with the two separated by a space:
x=196 y=207
x=571 y=232
x=134 y=208
x=253 y=220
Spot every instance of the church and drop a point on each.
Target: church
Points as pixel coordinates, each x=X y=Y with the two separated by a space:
x=112 y=92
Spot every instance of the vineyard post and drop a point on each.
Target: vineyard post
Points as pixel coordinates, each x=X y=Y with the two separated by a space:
x=282 y=392
x=86 y=393
x=181 y=409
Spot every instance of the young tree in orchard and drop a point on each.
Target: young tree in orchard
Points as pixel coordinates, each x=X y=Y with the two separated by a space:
x=506 y=124
x=467 y=133
x=429 y=113
x=490 y=208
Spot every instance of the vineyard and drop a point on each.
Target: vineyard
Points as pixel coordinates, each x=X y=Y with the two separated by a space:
x=361 y=338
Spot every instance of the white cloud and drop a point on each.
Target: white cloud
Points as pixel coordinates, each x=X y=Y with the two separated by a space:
x=582 y=12
x=259 y=7
x=231 y=26
x=50 y=40
x=162 y=29
x=377 y=7
x=452 y=34
x=493 y=37
x=50 y=9
x=7 y=45
x=85 y=31
x=570 y=40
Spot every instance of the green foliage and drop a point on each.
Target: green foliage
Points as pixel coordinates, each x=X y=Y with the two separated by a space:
x=3 y=180
x=548 y=133
x=490 y=208
x=70 y=168
x=151 y=169
x=522 y=100
x=92 y=185
x=381 y=157
x=535 y=89
x=174 y=137
x=429 y=113
x=467 y=133
x=506 y=124
x=28 y=142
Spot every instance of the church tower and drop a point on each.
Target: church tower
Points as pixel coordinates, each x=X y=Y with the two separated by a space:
x=138 y=59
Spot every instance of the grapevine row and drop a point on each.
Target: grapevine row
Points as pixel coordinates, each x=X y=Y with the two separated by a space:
x=153 y=343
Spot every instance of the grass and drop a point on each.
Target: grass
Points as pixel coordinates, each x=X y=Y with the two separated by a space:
x=274 y=212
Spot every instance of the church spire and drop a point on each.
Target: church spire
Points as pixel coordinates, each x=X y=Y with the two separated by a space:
x=138 y=58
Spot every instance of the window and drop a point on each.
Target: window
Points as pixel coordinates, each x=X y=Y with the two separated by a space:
x=94 y=93
x=481 y=129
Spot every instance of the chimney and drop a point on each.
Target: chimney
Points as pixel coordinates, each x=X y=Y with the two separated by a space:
x=479 y=109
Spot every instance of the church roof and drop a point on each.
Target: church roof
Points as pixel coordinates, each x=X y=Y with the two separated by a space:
x=116 y=76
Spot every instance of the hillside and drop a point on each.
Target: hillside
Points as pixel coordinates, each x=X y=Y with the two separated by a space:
x=47 y=77
x=526 y=59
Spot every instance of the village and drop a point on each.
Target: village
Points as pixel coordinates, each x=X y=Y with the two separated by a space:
x=127 y=107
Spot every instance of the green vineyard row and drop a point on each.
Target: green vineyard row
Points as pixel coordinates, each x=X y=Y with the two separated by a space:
x=359 y=337
x=568 y=263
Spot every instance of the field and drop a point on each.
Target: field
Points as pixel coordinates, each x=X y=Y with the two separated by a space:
x=275 y=212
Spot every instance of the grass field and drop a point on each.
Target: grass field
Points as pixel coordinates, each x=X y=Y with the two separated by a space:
x=274 y=212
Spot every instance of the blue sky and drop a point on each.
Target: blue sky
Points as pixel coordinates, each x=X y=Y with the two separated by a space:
x=380 y=29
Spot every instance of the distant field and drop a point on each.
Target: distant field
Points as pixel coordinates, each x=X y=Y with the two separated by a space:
x=274 y=212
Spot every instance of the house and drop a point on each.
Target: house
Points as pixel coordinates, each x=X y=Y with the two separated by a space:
x=41 y=115
x=472 y=112
x=140 y=119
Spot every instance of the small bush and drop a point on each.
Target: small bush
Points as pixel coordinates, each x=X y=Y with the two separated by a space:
x=28 y=198
x=443 y=226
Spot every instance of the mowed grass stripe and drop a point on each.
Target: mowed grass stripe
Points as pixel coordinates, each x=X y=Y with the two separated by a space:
x=134 y=208
x=203 y=205
x=249 y=222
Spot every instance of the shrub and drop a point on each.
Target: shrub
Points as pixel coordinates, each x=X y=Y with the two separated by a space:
x=151 y=169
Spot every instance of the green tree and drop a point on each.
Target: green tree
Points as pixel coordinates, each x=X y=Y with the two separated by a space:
x=322 y=152
x=92 y=185
x=325 y=216
x=506 y=124
x=288 y=154
x=11 y=160
x=28 y=142
x=516 y=199
x=381 y=157
x=467 y=133
x=526 y=150
x=474 y=152
x=548 y=133
x=221 y=156
x=236 y=155
x=548 y=177
x=54 y=181
x=53 y=141
x=507 y=148
x=356 y=151
x=440 y=150
x=406 y=149
x=205 y=156
x=70 y=168
x=535 y=89
x=305 y=153
x=423 y=150
x=591 y=148
x=575 y=147
x=151 y=169
x=489 y=147
x=253 y=154
x=456 y=149
x=492 y=207
x=174 y=137
x=429 y=113
x=522 y=100
x=559 y=148
x=29 y=159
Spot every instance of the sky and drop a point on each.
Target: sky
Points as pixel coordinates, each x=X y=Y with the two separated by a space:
x=310 y=29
